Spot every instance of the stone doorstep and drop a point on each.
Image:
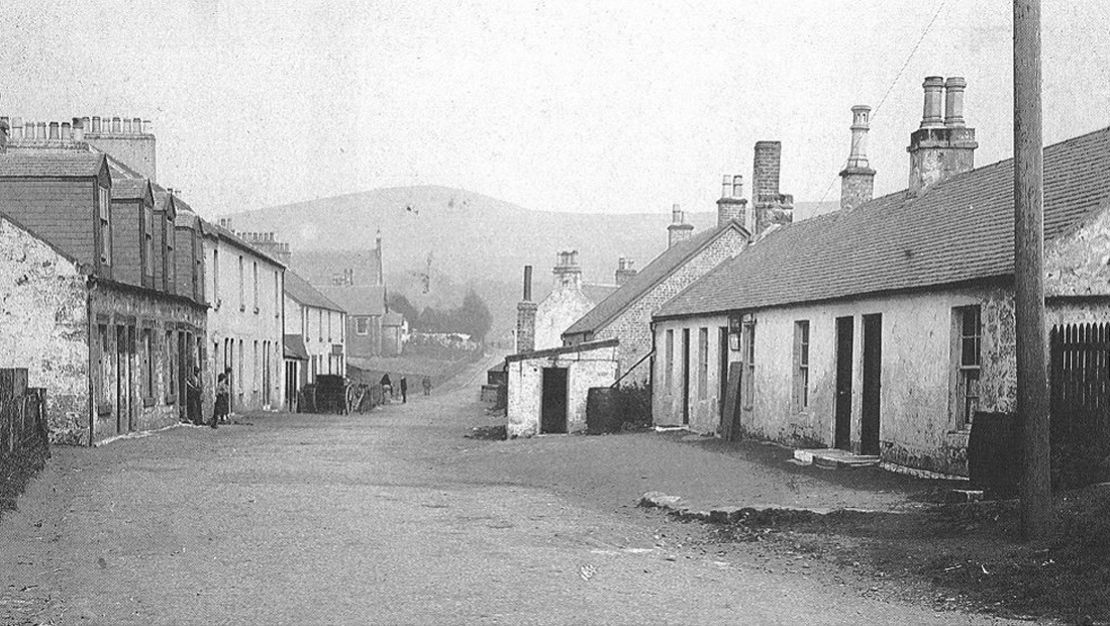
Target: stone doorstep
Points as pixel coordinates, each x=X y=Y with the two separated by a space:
x=730 y=514
x=833 y=458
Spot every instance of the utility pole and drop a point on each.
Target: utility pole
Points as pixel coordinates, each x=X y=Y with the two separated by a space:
x=1032 y=375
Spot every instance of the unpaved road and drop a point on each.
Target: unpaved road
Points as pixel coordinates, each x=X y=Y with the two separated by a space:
x=389 y=517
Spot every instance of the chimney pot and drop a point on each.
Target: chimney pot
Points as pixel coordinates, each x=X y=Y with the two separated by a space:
x=857 y=179
x=148 y=127
x=96 y=124
x=3 y=134
x=15 y=131
x=726 y=186
x=117 y=125
x=54 y=131
x=78 y=129
x=127 y=125
x=67 y=131
x=954 y=102
x=738 y=186
x=137 y=125
x=931 y=115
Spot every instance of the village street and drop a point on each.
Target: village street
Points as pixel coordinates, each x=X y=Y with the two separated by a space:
x=388 y=517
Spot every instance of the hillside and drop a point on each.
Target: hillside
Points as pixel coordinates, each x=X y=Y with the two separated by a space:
x=459 y=237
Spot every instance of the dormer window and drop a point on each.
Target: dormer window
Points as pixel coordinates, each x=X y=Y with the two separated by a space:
x=104 y=199
x=148 y=242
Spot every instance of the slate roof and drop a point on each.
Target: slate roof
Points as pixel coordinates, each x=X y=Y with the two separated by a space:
x=651 y=275
x=959 y=230
x=210 y=228
x=597 y=293
x=67 y=164
x=356 y=299
x=299 y=289
x=130 y=188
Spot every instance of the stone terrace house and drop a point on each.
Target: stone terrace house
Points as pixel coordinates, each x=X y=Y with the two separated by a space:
x=109 y=346
x=325 y=351
x=884 y=327
x=246 y=317
x=363 y=297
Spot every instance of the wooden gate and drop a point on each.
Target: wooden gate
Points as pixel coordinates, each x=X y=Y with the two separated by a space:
x=1079 y=379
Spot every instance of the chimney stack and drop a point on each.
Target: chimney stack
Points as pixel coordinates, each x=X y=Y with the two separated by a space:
x=678 y=230
x=567 y=272
x=15 y=129
x=857 y=179
x=731 y=207
x=769 y=206
x=625 y=271
x=78 y=129
x=526 y=317
x=943 y=146
x=3 y=134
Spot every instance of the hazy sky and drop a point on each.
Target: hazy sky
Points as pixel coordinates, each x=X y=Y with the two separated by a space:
x=563 y=105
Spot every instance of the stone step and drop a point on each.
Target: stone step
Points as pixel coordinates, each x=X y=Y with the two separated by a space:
x=832 y=458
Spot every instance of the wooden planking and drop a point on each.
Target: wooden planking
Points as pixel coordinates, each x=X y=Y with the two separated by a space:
x=1080 y=379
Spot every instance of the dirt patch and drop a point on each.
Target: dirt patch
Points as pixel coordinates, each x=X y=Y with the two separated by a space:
x=965 y=556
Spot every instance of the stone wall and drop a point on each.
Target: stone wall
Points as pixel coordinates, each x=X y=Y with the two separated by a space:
x=591 y=367
x=633 y=326
x=44 y=328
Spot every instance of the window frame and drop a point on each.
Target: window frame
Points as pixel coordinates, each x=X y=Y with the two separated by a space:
x=748 y=335
x=802 y=337
x=967 y=359
x=703 y=363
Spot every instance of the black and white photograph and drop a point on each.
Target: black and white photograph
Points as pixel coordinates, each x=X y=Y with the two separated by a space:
x=554 y=312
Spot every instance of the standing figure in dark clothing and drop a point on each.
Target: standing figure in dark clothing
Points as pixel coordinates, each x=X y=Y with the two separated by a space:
x=192 y=398
x=404 y=390
x=387 y=387
x=427 y=383
x=219 y=408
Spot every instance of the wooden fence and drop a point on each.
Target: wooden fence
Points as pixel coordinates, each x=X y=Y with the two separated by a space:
x=24 y=438
x=1079 y=378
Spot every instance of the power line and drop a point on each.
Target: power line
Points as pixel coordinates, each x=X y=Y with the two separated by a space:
x=890 y=87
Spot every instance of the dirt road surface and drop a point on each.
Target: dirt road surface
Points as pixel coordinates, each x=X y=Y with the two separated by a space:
x=389 y=517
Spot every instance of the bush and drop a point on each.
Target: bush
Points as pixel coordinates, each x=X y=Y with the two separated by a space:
x=635 y=405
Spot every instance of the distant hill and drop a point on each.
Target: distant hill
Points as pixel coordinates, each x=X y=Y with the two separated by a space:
x=459 y=237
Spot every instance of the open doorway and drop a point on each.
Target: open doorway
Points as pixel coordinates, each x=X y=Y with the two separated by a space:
x=553 y=403
x=844 y=331
x=872 y=383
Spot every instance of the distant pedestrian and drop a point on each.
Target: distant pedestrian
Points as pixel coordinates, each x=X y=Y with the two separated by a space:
x=192 y=397
x=404 y=390
x=220 y=407
x=427 y=384
x=387 y=388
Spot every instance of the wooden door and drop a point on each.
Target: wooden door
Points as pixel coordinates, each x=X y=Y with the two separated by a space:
x=553 y=400
x=685 y=375
x=844 y=344
x=872 y=383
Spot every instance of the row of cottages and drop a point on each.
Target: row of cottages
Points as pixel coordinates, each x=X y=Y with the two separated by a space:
x=884 y=327
x=314 y=336
x=612 y=342
x=93 y=300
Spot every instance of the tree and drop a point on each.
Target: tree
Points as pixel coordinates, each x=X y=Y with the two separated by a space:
x=474 y=316
x=398 y=303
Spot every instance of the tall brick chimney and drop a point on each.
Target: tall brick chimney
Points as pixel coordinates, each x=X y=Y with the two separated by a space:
x=625 y=271
x=857 y=179
x=732 y=206
x=943 y=146
x=768 y=205
x=526 y=317
x=678 y=230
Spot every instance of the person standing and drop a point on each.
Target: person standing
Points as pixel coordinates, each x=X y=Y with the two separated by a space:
x=192 y=398
x=387 y=388
x=404 y=390
x=220 y=407
x=427 y=383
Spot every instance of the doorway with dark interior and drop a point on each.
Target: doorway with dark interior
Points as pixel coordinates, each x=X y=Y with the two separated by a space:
x=685 y=376
x=872 y=383
x=844 y=344
x=553 y=401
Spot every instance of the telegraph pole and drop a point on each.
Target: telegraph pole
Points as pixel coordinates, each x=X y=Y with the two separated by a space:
x=1032 y=375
